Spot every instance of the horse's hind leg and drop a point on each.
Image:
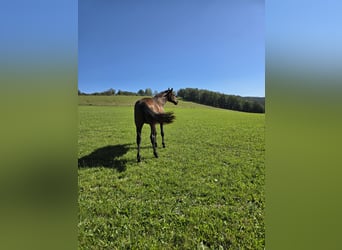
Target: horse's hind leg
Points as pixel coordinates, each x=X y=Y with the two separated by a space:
x=153 y=139
x=162 y=134
x=139 y=128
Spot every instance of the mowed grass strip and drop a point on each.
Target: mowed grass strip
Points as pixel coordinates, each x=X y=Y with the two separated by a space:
x=206 y=189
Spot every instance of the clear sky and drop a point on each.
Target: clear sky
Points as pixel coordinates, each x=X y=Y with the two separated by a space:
x=217 y=45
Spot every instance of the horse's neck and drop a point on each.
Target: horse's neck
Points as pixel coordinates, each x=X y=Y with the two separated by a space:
x=160 y=100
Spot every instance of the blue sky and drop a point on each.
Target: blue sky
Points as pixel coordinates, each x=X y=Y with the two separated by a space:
x=131 y=45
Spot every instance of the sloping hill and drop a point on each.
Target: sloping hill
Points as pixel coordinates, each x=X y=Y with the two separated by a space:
x=120 y=100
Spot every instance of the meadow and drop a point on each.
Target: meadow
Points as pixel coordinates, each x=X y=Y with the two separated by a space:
x=205 y=191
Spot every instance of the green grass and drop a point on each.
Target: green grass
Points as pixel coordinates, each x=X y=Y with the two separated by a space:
x=205 y=191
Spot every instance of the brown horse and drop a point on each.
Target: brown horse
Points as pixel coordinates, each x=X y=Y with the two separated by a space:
x=151 y=111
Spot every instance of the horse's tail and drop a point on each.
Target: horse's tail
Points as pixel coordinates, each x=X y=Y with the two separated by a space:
x=167 y=117
x=150 y=116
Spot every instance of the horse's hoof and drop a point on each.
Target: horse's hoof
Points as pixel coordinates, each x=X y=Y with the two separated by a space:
x=156 y=155
x=138 y=159
x=163 y=145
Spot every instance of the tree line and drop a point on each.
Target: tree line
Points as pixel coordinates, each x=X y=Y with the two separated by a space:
x=111 y=92
x=202 y=96
x=219 y=100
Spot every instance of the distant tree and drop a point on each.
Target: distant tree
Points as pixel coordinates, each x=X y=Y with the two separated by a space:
x=246 y=106
x=204 y=97
x=81 y=93
x=236 y=103
x=155 y=92
x=193 y=95
x=180 y=93
x=221 y=101
x=121 y=92
x=141 y=92
x=148 y=92
x=108 y=92
x=257 y=108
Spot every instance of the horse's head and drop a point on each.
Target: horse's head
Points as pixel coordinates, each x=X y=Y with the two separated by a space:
x=171 y=97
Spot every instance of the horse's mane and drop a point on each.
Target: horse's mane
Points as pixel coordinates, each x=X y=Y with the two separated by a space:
x=162 y=93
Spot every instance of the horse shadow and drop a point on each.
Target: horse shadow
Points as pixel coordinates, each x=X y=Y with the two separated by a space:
x=107 y=157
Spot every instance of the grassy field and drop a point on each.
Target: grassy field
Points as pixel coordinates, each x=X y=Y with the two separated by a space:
x=205 y=191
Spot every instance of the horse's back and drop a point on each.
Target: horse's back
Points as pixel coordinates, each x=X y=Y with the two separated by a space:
x=145 y=111
x=149 y=103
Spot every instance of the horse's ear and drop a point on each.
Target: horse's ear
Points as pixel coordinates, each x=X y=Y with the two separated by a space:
x=171 y=89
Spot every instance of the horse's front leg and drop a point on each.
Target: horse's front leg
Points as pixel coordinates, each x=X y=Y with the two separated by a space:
x=154 y=139
x=162 y=134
